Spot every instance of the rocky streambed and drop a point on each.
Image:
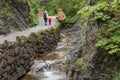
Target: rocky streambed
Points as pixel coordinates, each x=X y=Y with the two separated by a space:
x=52 y=66
x=56 y=64
x=60 y=64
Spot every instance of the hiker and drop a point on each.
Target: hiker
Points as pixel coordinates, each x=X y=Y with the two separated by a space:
x=45 y=15
x=49 y=20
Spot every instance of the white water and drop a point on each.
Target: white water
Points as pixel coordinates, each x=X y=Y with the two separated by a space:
x=53 y=66
x=52 y=75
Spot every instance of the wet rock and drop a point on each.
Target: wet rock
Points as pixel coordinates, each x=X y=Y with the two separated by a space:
x=17 y=58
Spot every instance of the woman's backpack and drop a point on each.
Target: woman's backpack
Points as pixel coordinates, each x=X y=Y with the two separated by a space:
x=45 y=15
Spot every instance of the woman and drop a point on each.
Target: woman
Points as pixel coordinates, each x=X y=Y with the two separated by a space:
x=45 y=16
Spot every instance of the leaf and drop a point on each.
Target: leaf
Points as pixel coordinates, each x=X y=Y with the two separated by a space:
x=102 y=42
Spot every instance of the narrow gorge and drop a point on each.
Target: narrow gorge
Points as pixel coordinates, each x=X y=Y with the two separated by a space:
x=77 y=40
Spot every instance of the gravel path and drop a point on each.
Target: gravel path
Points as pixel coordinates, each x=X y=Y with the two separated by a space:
x=41 y=26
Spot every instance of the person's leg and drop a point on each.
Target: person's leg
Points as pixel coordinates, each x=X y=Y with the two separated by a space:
x=45 y=21
x=50 y=21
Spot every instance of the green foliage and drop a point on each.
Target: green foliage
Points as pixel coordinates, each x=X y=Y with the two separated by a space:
x=117 y=75
x=56 y=26
x=110 y=44
x=96 y=11
x=106 y=13
x=23 y=39
x=79 y=64
x=33 y=8
x=72 y=20
x=82 y=41
x=70 y=8
x=33 y=12
x=69 y=22
x=38 y=34
x=111 y=40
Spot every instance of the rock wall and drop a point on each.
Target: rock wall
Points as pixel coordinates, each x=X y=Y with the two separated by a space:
x=16 y=58
x=86 y=61
x=98 y=62
x=14 y=15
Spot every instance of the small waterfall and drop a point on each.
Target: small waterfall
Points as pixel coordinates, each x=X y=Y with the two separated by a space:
x=48 y=65
x=53 y=66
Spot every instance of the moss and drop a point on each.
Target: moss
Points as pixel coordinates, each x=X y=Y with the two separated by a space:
x=38 y=34
x=79 y=65
x=117 y=75
x=23 y=39
x=79 y=62
x=82 y=41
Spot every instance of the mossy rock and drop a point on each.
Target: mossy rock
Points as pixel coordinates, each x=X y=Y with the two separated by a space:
x=23 y=39
x=80 y=65
x=38 y=35
x=32 y=37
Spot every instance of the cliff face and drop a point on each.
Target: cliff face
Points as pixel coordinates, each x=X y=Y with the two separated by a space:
x=13 y=16
x=91 y=63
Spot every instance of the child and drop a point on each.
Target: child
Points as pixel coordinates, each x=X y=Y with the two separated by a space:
x=49 y=20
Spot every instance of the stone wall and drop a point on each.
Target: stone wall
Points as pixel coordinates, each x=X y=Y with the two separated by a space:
x=16 y=58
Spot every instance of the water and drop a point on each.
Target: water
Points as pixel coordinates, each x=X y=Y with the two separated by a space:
x=52 y=75
x=51 y=66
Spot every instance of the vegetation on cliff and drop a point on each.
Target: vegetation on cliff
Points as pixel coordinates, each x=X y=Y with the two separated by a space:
x=33 y=7
x=19 y=13
x=105 y=12
x=70 y=8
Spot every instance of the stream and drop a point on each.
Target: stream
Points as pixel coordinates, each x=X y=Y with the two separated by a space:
x=53 y=65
